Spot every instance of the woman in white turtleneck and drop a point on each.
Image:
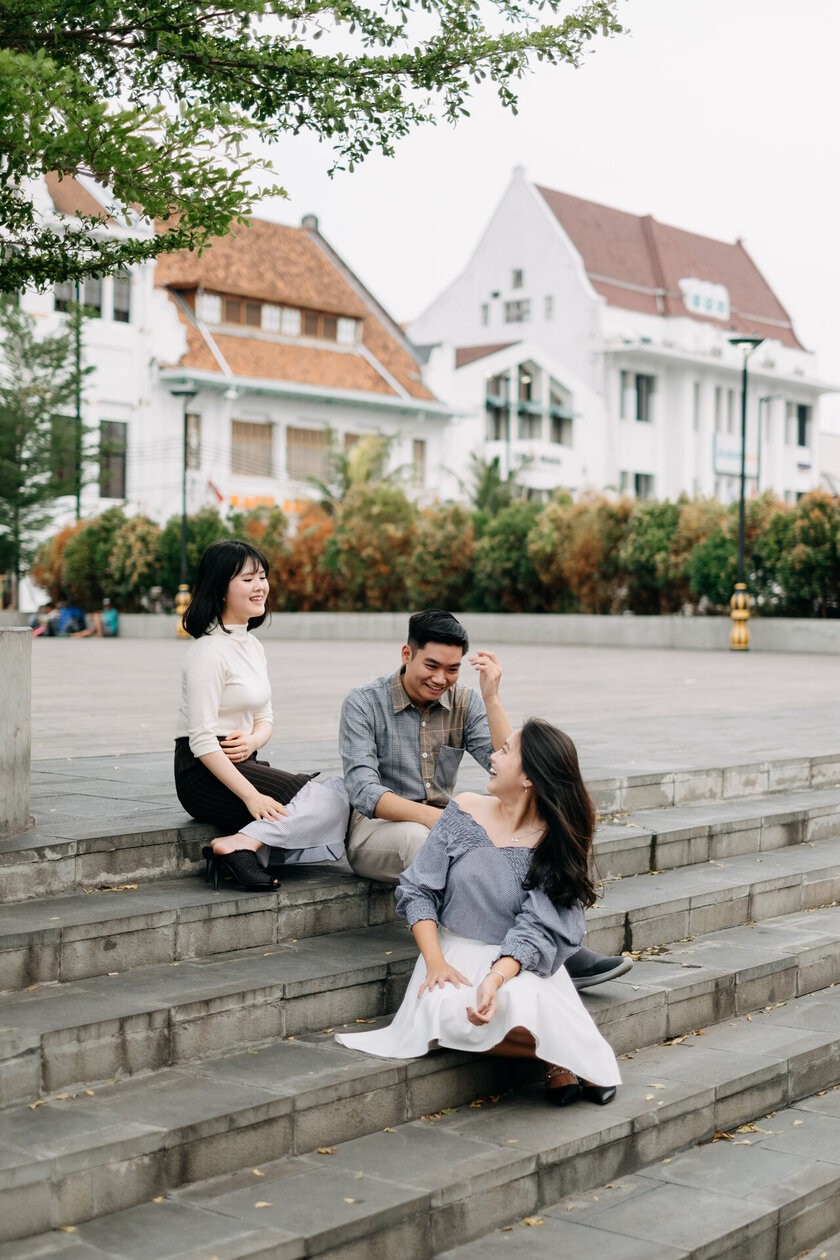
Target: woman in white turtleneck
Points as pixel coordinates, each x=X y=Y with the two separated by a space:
x=226 y=717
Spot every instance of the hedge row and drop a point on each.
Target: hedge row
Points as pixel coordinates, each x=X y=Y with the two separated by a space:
x=376 y=551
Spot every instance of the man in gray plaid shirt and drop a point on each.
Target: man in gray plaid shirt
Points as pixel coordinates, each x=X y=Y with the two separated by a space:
x=401 y=740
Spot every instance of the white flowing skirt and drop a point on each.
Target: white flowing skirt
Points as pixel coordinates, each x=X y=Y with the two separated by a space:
x=549 y=1007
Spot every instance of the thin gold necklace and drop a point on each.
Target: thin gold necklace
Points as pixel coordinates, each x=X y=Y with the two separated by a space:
x=532 y=831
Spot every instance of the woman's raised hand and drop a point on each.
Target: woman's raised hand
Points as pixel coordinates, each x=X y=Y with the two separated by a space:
x=440 y=973
x=264 y=807
x=237 y=746
x=485 y=1003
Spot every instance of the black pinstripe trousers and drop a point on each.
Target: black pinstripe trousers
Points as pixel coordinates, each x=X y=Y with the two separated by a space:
x=208 y=800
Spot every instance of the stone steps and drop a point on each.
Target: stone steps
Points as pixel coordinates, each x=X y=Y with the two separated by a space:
x=419 y=1188
x=81 y=934
x=134 y=1019
x=149 y=837
x=767 y=1190
x=190 y=1118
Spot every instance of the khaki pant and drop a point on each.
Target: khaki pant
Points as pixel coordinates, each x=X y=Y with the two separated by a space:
x=380 y=849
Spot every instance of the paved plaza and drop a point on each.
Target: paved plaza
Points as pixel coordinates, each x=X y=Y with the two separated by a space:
x=629 y=710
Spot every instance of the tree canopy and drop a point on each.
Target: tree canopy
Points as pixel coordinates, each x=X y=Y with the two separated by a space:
x=158 y=101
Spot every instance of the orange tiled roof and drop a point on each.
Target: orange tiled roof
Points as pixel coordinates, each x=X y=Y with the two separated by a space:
x=280 y=264
x=69 y=197
x=265 y=261
x=636 y=263
x=469 y=354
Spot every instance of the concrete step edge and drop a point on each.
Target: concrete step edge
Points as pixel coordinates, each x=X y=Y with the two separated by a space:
x=473 y=1169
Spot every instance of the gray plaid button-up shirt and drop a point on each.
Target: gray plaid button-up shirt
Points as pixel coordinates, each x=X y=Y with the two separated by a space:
x=387 y=744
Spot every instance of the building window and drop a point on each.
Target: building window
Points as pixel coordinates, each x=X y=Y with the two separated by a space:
x=803 y=425
x=233 y=310
x=350 y=440
x=517 y=278
x=730 y=411
x=122 y=297
x=63 y=433
x=718 y=409
x=209 y=308
x=643 y=485
x=548 y=308
x=346 y=332
x=497 y=403
x=63 y=294
x=270 y=318
x=193 y=441
x=306 y=453
x=290 y=323
x=624 y=388
x=695 y=407
x=623 y=481
x=645 y=389
x=113 y=441
x=92 y=297
x=253 y=314
x=251 y=448
x=560 y=414
x=518 y=312
x=485 y=314
x=418 y=462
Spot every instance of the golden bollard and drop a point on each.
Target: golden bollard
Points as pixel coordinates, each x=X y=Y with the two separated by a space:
x=739 y=636
x=182 y=598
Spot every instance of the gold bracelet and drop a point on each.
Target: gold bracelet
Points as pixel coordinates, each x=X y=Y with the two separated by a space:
x=495 y=972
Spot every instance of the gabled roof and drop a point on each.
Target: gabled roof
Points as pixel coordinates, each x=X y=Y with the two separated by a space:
x=469 y=354
x=70 y=197
x=267 y=261
x=637 y=263
x=293 y=267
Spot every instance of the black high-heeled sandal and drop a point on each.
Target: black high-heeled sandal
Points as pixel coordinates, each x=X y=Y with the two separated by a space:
x=600 y=1094
x=561 y=1095
x=208 y=855
x=242 y=866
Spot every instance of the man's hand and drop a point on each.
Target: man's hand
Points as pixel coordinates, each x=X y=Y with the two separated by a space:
x=439 y=974
x=237 y=746
x=489 y=673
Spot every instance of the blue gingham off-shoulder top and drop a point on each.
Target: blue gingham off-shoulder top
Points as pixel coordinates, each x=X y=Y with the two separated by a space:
x=463 y=881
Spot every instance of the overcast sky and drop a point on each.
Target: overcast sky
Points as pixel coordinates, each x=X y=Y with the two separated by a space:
x=719 y=116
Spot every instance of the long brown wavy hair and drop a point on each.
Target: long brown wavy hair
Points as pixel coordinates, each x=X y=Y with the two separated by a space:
x=561 y=861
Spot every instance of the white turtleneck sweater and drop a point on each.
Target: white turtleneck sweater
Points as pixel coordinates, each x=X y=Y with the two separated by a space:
x=224 y=688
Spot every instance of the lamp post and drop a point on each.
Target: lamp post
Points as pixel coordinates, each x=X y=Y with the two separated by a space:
x=186 y=394
x=739 y=637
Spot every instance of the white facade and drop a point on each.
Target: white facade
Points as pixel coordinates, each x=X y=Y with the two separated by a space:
x=656 y=399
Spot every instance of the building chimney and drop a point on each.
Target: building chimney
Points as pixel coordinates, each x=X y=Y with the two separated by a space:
x=310 y=222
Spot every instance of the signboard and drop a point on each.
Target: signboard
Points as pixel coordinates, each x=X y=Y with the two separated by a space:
x=727 y=460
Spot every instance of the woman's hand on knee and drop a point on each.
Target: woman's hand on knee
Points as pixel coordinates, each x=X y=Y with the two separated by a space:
x=263 y=808
x=440 y=974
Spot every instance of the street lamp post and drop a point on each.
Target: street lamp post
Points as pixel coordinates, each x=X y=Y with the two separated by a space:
x=186 y=394
x=739 y=637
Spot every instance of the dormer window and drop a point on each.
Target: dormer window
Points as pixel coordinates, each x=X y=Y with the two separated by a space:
x=217 y=308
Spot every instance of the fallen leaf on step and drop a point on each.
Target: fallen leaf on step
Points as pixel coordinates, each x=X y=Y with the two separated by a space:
x=676 y=1041
x=821 y=1093
x=327 y=1030
x=31 y=988
x=349 y=1200
x=743 y=1142
x=262 y=1203
x=90 y=1093
x=505 y=1229
x=532 y=1220
x=326 y=1150
x=665 y=1161
x=747 y=1128
x=61 y=1097
x=40 y=1102
x=649 y=1097
x=749 y=1017
x=450 y=1111
x=651 y=1085
x=389 y=1130
x=257 y=1172
x=358 y=1176
x=388 y=952
x=513 y=1141
x=252 y=1051
x=161 y=1198
x=67 y=1229
x=365 y=1021
x=798 y=1122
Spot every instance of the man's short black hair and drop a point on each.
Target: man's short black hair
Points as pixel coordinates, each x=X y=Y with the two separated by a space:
x=433 y=625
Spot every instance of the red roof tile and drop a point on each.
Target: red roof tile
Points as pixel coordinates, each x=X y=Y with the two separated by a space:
x=637 y=263
x=69 y=197
x=469 y=354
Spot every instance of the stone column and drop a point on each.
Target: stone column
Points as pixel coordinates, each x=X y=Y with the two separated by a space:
x=15 y=728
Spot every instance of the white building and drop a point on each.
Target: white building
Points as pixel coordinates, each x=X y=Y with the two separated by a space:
x=269 y=341
x=590 y=348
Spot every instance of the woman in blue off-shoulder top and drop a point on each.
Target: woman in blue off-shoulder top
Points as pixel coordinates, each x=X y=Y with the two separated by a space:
x=495 y=899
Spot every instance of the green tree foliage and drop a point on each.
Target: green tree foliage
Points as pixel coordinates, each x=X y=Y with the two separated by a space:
x=156 y=99
x=505 y=579
x=442 y=558
x=647 y=559
x=85 y=569
x=808 y=566
x=204 y=527
x=577 y=553
x=370 y=551
x=133 y=563
x=307 y=583
x=353 y=467
x=38 y=382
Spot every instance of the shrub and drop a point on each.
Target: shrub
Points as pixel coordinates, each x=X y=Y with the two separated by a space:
x=85 y=569
x=370 y=551
x=303 y=582
x=134 y=562
x=647 y=560
x=504 y=576
x=441 y=558
x=48 y=566
x=204 y=527
x=809 y=562
x=578 y=553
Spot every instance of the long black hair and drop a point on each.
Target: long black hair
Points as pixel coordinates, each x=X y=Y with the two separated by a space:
x=219 y=564
x=560 y=862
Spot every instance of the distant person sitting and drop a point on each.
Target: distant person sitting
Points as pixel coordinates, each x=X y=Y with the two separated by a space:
x=44 y=620
x=70 y=618
x=105 y=623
